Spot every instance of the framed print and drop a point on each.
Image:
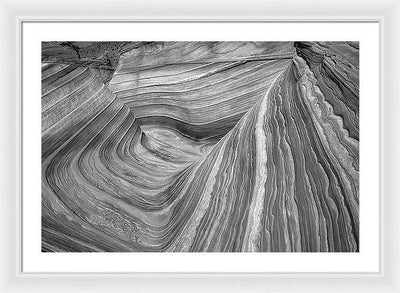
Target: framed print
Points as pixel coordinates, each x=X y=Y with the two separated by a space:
x=225 y=149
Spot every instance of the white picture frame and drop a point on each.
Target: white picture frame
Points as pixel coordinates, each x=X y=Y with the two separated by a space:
x=15 y=280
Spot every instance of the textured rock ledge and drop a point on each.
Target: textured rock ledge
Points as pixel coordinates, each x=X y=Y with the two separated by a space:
x=187 y=146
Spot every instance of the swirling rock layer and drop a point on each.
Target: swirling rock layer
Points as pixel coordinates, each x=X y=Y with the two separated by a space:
x=200 y=146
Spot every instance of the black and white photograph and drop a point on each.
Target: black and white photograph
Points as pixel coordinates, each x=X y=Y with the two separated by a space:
x=222 y=146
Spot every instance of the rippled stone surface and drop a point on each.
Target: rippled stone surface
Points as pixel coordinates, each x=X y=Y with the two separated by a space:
x=210 y=146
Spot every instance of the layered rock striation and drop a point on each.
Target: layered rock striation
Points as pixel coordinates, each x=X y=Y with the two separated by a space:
x=201 y=147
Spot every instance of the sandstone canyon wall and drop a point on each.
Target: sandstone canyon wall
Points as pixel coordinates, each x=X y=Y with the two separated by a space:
x=200 y=146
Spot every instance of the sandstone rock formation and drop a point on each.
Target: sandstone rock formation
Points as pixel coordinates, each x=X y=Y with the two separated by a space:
x=200 y=146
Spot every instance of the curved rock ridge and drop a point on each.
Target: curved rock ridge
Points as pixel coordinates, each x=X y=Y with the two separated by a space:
x=203 y=147
x=71 y=97
x=336 y=67
x=198 y=88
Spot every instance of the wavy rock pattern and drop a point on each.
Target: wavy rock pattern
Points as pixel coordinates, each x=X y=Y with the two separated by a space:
x=187 y=146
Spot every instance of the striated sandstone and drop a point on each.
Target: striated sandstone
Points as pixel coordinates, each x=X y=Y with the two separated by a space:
x=200 y=146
